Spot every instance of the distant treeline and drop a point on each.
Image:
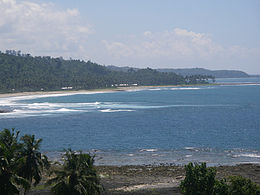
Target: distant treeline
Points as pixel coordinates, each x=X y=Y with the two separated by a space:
x=202 y=71
x=22 y=72
x=195 y=71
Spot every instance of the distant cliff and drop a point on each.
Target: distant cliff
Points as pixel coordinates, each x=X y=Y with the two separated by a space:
x=202 y=71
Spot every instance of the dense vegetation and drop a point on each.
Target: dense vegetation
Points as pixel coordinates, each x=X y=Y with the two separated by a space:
x=193 y=71
x=201 y=180
x=22 y=72
x=21 y=162
x=203 y=71
x=22 y=165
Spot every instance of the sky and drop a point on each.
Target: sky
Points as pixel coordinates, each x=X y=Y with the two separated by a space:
x=139 y=33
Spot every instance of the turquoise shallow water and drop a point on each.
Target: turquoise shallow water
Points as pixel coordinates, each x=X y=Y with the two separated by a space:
x=216 y=124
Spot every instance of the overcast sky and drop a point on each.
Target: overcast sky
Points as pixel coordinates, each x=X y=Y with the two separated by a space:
x=221 y=34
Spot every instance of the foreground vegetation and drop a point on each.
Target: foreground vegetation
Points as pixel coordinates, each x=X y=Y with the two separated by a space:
x=21 y=162
x=76 y=175
x=200 y=180
x=22 y=167
x=22 y=72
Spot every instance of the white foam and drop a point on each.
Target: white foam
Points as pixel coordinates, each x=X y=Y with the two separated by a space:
x=249 y=162
x=10 y=101
x=110 y=110
x=44 y=105
x=87 y=103
x=47 y=108
x=134 y=90
x=185 y=88
x=18 y=113
x=148 y=150
x=155 y=89
x=191 y=149
x=21 y=109
x=66 y=110
x=250 y=155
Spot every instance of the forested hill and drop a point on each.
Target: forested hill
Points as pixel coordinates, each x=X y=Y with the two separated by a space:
x=194 y=71
x=202 y=71
x=22 y=72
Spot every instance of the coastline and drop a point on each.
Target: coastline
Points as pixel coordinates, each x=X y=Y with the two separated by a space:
x=145 y=179
x=104 y=90
x=86 y=91
x=188 y=154
x=19 y=94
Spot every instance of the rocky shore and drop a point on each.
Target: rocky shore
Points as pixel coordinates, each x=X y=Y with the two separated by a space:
x=156 y=180
x=161 y=179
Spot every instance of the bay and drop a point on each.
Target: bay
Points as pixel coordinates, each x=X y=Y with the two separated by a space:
x=214 y=124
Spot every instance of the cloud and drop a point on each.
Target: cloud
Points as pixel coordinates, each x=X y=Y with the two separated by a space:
x=45 y=29
x=41 y=28
x=178 y=45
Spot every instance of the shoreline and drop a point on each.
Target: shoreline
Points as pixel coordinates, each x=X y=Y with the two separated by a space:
x=104 y=90
x=20 y=94
x=170 y=157
x=85 y=91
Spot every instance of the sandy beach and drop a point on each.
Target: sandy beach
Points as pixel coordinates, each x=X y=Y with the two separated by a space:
x=4 y=95
x=71 y=92
x=85 y=91
x=18 y=94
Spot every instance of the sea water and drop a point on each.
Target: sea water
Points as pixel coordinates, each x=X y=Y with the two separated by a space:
x=173 y=125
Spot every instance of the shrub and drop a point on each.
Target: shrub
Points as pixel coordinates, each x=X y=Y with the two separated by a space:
x=243 y=186
x=199 y=180
x=221 y=187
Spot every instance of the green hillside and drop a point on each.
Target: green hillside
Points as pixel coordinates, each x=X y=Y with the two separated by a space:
x=202 y=71
x=22 y=72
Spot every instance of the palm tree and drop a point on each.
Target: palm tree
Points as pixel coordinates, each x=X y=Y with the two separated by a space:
x=9 y=161
x=33 y=162
x=77 y=176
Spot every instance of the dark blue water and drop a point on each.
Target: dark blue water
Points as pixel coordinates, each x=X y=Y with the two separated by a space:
x=217 y=124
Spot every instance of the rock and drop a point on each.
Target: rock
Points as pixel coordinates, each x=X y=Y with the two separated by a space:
x=4 y=111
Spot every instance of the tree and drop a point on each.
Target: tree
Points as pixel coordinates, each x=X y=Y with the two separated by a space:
x=26 y=73
x=32 y=161
x=76 y=176
x=9 y=162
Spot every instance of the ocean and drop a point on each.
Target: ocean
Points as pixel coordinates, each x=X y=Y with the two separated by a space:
x=218 y=124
